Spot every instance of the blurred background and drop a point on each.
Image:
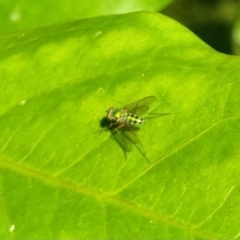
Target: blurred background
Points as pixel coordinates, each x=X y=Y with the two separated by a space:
x=217 y=22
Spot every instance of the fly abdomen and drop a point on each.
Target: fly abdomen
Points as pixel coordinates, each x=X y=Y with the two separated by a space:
x=134 y=119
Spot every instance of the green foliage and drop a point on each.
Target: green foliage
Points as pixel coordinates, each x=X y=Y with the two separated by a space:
x=61 y=178
x=27 y=14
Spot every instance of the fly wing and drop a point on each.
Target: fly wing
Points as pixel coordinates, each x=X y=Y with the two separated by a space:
x=125 y=137
x=140 y=106
x=121 y=138
x=153 y=115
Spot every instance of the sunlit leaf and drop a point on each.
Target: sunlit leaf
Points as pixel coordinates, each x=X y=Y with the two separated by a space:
x=62 y=178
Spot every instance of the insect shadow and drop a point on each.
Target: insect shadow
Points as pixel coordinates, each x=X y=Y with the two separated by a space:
x=124 y=134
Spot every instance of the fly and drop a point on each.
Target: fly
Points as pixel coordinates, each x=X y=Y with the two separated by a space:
x=123 y=123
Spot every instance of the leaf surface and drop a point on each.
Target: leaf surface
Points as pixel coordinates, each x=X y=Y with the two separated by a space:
x=62 y=178
x=27 y=14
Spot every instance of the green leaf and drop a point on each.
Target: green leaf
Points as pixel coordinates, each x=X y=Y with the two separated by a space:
x=63 y=178
x=27 y=14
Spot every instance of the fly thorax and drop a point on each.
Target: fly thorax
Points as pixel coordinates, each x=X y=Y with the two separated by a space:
x=117 y=114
